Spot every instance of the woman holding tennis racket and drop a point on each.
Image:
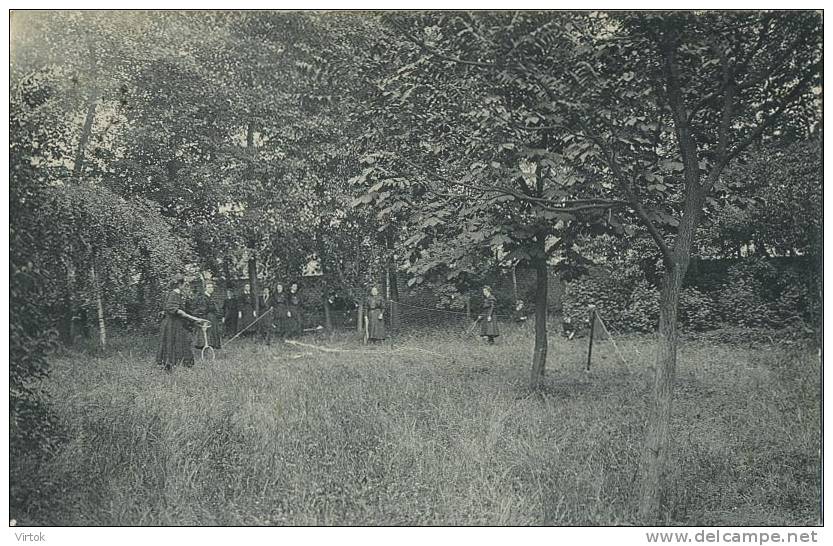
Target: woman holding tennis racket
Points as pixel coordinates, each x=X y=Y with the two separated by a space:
x=174 y=337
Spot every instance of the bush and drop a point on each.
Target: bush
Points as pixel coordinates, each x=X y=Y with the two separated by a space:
x=743 y=297
x=642 y=313
x=753 y=293
x=698 y=311
x=610 y=294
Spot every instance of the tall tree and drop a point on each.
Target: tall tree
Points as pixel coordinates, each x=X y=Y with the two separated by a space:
x=655 y=105
x=468 y=160
x=663 y=103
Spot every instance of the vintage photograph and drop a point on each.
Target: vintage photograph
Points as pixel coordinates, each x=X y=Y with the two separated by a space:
x=415 y=268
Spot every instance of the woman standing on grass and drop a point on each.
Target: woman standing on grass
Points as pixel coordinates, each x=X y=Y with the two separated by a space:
x=230 y=314
x=267 y=314
x=246 y=310
x=293 y=313
x=280 y=314
x=487 y=318
x=205 y=306
x=174 y=338
x=374 y=319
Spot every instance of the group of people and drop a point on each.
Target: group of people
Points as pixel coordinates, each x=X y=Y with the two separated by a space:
x=277 y=314
x=200 y=323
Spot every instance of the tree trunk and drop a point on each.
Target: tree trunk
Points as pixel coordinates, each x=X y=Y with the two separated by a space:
x=253 y=280
x=558 y=303
x=86 y=131
x=393 y=291
x=102 y=326
x=514 y=284
x=67 y=329
x=250 y=136
x=328 y=316
x=360 y=318
x=657 y=440
x=539 y=357
x=657 y=448
x=252 y=151
x=227 y=272
x=141 y=298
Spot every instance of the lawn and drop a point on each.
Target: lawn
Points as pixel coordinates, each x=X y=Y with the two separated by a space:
x=434 y=430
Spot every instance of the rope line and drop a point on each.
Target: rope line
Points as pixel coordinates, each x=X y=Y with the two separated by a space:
x=635 y=348
x=618 y=352
x=327 y=349
x=360 y=351
x=249 y=326
x=444 y=310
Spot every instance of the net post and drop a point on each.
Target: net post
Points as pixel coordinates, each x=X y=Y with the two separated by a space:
x=592 y=327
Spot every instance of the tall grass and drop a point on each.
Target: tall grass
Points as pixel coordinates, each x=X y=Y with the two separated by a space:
x=446 y=435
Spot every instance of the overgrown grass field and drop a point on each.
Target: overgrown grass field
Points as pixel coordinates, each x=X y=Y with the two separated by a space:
x=436 y=431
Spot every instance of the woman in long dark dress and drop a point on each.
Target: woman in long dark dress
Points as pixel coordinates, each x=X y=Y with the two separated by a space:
x=294 y=311
x=488 y=318
x=206 y=307
x=230 y=314
x=265 y=310
x=374 y=319
x=281 y=315
x=174 y=337
x=246 y=311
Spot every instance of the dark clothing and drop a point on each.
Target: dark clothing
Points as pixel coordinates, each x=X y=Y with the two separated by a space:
x=205 y=307
x=488 y=322
x=375 y=315
x=174 y=338
x=294 y=315
x=230 y=316
x=279 y=315
x=265 y=324
x=246 y=314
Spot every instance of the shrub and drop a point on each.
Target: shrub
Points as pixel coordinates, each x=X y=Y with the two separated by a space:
x=698 y=311
x=642 y=313
x=611 y=294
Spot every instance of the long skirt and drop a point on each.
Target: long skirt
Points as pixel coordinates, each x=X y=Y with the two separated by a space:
x=489 y=327
x=264 y=325
x=174 y=344
x=230 y=326
x=294 y=323
x=282 y=323
x=214 y=334
x=376 y=324
x=247 y=317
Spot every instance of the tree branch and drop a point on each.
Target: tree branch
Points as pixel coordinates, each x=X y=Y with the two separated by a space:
x=567 y=207
x=629 y=192
x=433 y=51
x=643 y=215
x=726 y=116
x=770 y=119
